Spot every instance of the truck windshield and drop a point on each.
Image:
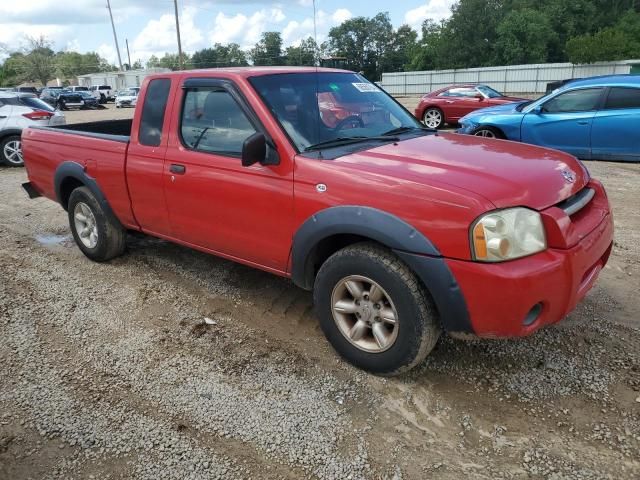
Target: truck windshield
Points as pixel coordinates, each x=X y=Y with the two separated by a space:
x=320 y=108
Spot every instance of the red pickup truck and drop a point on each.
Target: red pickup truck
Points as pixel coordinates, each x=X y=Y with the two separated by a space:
x=400 y=231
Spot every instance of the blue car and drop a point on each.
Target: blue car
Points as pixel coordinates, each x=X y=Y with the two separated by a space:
x=593 y=119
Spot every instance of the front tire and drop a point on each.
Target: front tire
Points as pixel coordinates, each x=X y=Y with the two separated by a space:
x=98 y=236
x=374 y=311
x=488 y=132
x=433 y=118
x=11 y=151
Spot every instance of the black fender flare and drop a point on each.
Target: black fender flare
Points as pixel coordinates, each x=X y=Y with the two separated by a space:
x=10 y=132
x=76 y=171
x=415 y=249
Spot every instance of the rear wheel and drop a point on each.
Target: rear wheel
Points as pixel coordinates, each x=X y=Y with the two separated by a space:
x=62 y=105
x=103 y=99
x=11 y=151
x=488 y=132
x=374 y=311
x=97 y=235
x=433 y=118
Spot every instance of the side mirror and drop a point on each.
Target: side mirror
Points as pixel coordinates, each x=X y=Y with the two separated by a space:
x=480 y=97
x=257 y=149
x=537 y=110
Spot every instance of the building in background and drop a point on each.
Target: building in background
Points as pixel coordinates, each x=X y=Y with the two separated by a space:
x=119 y=80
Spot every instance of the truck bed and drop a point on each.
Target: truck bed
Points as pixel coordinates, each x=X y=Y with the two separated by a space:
x=118 y=130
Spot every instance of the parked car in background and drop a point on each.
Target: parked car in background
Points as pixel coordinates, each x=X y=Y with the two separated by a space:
x=78 y=88
x=103 y=93
x=31 y=90
x=18 y=111
x=597 y=118
x=400 y=233
x=61 y=98
x=89 y=100
x=449 y=104
x=127 y=98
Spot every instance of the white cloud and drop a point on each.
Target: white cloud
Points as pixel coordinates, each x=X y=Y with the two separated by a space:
x=434 y=9
x=245 y=30
x=341 y=15
x=295 y=31
x=159 y=36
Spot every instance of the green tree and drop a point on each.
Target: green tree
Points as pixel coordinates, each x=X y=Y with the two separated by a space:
x=618 y=42
x=402 y=49
x=303 y=54
x=219 y=56
x=170 y=61
x=39 y=63
x=523 y=36
x=370 y=44
x=268 y=51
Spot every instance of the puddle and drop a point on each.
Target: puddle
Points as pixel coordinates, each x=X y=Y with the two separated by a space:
x=49 y=239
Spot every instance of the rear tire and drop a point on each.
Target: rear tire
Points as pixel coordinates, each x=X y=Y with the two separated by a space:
x=98 y=236
x=402 y=310
x=11 y=151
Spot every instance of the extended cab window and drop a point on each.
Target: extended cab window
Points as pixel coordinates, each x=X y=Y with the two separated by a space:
x=620 y=97
x=581 y=100
x=212 y=121
x=155 y=103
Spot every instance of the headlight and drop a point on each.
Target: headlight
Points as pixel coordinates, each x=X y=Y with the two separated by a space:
x=507 y=234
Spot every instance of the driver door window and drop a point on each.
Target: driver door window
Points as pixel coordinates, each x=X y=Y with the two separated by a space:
x=583 y=100
x=212 y=121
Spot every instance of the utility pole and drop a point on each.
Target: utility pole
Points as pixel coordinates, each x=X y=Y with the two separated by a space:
x=175 y=4
x=126 y=40
x=115 y=37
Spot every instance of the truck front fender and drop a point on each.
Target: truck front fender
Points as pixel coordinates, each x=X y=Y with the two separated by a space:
x=405 y=241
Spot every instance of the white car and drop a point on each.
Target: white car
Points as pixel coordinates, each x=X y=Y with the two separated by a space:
x=127 y=98
x=103 y=93
x=19 y=111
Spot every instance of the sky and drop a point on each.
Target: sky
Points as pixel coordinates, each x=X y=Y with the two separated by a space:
x=149 y=25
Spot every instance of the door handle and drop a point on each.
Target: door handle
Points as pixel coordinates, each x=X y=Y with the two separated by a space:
x=177 y=169
x=583 y=122
x=3 y=116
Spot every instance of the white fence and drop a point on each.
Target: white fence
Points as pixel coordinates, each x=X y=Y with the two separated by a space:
x=522 y=79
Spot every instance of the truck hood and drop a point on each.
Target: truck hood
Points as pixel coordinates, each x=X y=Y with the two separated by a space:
x=505 y=173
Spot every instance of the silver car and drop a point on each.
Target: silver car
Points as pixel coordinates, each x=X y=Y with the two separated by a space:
x=19 y=111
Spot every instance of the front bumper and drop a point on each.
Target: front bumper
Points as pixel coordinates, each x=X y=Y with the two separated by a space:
x=500 y=296
x=467 y=128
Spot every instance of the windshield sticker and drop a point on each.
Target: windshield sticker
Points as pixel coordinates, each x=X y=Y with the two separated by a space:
x=366 y=87
x=334 y=87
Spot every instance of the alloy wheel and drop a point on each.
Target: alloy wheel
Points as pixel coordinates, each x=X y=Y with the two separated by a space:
x=364 y=314
x=13 y=152
x=432 y=118
x=483 y=132
x=85 y=224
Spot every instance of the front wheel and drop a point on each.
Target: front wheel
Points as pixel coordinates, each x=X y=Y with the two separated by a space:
x=11 y=151
x=488 y=132
x=374 y=311
x=433 y=118
x=98 y=236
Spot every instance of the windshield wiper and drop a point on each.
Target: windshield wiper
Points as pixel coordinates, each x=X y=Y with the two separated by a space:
x=395 y=131
x=336 y=142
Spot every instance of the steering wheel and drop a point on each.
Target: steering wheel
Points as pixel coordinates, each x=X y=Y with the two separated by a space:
x=353 y=120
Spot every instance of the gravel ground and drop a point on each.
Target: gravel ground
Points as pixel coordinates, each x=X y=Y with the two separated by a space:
x=111 y=371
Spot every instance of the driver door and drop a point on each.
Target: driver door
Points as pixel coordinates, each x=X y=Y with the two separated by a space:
x=564 y=122
x=214 y=202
